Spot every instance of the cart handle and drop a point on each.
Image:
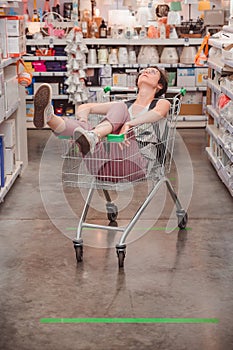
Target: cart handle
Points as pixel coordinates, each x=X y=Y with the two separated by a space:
x=183 y=91
x=115 y=137
x=117 y=88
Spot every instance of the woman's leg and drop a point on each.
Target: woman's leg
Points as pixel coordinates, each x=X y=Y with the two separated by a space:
x=67 y=126
x=116 y=117
x=44 y=114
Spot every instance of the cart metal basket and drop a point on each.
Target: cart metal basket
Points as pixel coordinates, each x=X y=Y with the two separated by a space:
x=117 y=164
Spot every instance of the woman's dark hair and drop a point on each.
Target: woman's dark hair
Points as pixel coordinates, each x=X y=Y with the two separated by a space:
x=163 y=81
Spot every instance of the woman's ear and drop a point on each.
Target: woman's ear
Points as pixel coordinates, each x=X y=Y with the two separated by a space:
x=160 y=86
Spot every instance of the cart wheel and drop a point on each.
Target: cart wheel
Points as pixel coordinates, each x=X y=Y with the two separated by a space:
x=121 y=258
x=183 y=222
x=113 y=224
x=79 y=252
x=112 y=211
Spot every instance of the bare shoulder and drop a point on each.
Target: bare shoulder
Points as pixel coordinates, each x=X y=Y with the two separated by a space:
x=163 y=102
x=162 y=107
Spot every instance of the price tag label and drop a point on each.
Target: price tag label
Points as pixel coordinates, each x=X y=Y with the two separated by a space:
x=186 y=42
x=51 y=43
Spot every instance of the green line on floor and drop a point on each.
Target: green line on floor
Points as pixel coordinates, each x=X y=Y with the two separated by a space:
x=139 y=228
x=129 y=320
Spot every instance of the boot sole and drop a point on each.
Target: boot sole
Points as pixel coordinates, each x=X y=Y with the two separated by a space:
x=41 y=100
x=82 y=142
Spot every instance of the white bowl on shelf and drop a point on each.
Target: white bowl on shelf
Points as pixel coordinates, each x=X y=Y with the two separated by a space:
x=188 y=54
x=169 y=55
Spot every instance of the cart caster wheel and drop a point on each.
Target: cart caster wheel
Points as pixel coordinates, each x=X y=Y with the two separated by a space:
x=183 y=221
x=112 y=211
x=78 y=252
x=113 y=224
x=121 y=256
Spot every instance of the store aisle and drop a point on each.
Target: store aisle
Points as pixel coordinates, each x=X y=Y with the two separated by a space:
x=182 y=274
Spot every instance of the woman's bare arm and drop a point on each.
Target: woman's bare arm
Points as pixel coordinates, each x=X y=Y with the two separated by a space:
x=84 y=110
x=158 y=112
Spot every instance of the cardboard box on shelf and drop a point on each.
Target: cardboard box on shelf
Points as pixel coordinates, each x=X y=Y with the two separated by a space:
x=185 y=77
x=105 y=81
x=16 y=45
x=3 y=38
x=29 y=111
x=119 y=79
x=10 y=160
x=15 y=26
x=201 y=76
x=191 y=109
x=7 y=128
x=11 y=90
x=2 y=108
x=192 y=98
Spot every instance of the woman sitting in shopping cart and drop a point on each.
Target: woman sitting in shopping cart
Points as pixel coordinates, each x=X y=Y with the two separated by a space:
x=119 y=116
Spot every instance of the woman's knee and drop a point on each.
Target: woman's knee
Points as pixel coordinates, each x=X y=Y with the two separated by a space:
x=120 y=107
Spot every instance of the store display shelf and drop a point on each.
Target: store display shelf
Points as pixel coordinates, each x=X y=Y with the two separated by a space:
x=10 y=4
x=31 y=126
x=143 y=65
x=213 y=86
x=221 y=171
x=226 y=125
x=190 y=124
x=212 y=158
x=55 y=97
x=10 y=179
x=11 y=110
x=216 y=65
x=192 y=118
x=226 y=150
x=219 y=43
x=227 y=29
x=46 y=41
x=214 y=114
x=7 y=61
x=228 y=63
x=176 y=89
x=143 y=42
x=227 y=92
x=45 y=58
x=224 y=177
x=213 y=131
x=65 y=24
x=227 y=177
x=49 y=74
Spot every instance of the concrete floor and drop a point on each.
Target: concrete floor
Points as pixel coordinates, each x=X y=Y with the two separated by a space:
x=181 y=274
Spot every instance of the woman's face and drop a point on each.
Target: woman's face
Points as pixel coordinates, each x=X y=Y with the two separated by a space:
x=149 y=76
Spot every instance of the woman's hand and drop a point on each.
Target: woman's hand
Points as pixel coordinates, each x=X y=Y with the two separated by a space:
x=124 y=130
x=82 y=112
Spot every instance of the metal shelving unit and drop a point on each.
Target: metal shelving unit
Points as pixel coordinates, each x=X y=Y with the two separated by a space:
x=16 y=111
x=219 y=153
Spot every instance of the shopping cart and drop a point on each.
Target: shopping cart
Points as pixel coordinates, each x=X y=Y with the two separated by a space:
x=117 y=166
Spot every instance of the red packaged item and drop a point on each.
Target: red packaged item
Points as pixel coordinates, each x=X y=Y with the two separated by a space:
x=223 y=100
